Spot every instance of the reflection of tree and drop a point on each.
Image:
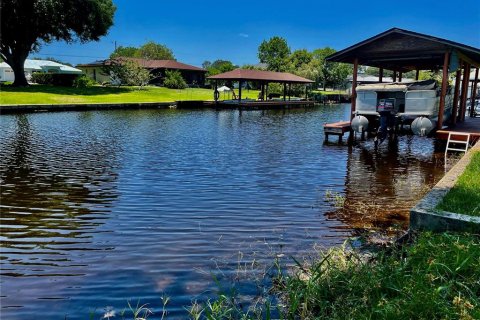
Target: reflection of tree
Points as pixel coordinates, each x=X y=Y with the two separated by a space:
x=381 y=186
x=55 y=189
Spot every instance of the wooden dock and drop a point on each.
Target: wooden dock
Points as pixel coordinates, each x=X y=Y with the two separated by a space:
x=336 y=129
x=470 y=125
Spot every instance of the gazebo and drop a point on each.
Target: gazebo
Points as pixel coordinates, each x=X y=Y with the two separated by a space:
x=402 y=50
x=262 y=77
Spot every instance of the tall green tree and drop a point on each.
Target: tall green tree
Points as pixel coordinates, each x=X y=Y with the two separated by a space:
x=26 y=24
x=330 y=73
x=150 y=51
x=275 y=53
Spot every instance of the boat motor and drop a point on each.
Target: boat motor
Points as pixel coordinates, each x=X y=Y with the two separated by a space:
x=422 y=126
x=386 y=109
x=359 y=124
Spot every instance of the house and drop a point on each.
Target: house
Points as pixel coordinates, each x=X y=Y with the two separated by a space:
x=31 y=66
x=194 y=76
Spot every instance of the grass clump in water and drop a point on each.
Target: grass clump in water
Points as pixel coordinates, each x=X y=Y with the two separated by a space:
x=436 y=278
x=464 y=197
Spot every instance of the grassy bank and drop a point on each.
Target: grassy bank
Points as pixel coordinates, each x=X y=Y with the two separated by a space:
x=464 y=197
x=438 y=277
x=42 y=94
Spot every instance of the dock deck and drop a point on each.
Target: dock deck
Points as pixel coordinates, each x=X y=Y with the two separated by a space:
x=470 y=125
x=336 y=129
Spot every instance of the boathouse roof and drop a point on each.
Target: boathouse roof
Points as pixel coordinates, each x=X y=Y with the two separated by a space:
x=148 y=64
x=260 y=75
x=403 y=50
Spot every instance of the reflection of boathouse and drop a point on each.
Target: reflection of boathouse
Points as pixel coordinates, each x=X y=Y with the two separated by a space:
x=382 y=185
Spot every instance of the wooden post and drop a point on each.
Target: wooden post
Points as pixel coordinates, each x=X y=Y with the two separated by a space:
x=306 y=91
x=473 y=95
x=284 y=91
x=354 y=88
x=417 y=74
x=463 y=103
x=215 y=92
x=399 y=76
x=266 y=91
x=289 y=91
x=458 y=77
x=240 y=91
x=394 y=76
x=380 y=75
x=444 y=90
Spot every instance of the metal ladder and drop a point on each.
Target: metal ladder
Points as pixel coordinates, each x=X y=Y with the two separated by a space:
x=450 y=140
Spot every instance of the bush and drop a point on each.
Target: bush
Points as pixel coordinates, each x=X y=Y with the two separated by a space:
x=57 y=79
x=42 y=78
x=83 y=81
x=174 y=80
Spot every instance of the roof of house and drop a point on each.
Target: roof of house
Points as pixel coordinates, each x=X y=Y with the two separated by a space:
x=403 y=50
x=149 y=64
x=46 y=65
x=260 y=75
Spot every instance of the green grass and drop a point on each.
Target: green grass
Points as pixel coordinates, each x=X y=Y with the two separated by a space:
x=438 y=277
x=42 y=94
x=464 y=197
x=328 y=93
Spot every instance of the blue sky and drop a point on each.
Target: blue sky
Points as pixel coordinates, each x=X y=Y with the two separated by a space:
x=232 y=30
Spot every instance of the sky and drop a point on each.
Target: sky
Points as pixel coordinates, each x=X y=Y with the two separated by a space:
x=197 y=31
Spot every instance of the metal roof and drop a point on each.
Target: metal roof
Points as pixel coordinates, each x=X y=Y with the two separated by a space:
x=45 y=66
x=403 y=50
x=260 y=75
x=149 y=64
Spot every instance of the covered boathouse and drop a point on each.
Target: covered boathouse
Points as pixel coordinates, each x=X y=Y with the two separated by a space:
x=263 y=78
x=402 y=51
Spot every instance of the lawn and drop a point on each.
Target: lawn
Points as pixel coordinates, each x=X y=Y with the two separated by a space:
x=464 y=197
x=43 y=94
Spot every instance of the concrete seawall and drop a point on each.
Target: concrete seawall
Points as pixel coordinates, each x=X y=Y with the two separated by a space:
x=425 y=216
x=9 y=109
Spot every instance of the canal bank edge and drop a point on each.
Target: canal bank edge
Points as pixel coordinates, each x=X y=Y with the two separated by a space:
x=424 y=216
x=9 y=109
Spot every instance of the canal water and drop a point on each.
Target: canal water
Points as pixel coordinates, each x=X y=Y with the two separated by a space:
x=98 y=208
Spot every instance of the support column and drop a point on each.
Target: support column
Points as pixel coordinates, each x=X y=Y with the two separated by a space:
x=394 y=76
x=380 y=75
x=458 y=77
x=400 y=77
x=289 y=91
x=240 y=91
x=215 y=92
x=417 y=74
x=354 y=88
x=473 y=95
x=285 y=91
x=463 y=100
x=444 y=90
x=266 y=92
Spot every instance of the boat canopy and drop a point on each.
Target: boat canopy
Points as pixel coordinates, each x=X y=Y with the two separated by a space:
x=389 y=87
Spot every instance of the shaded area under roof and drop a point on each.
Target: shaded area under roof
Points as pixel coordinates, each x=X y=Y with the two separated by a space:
x=403 y=50
x=260 y=75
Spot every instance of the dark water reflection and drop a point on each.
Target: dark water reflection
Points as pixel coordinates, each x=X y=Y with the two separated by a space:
x=101 y=207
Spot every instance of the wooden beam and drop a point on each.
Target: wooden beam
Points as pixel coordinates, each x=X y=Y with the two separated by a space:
x=473 y=95
x=380 y=75
x=354 y=87
x=463 y=98
x=458 y=77
x=444 y=90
